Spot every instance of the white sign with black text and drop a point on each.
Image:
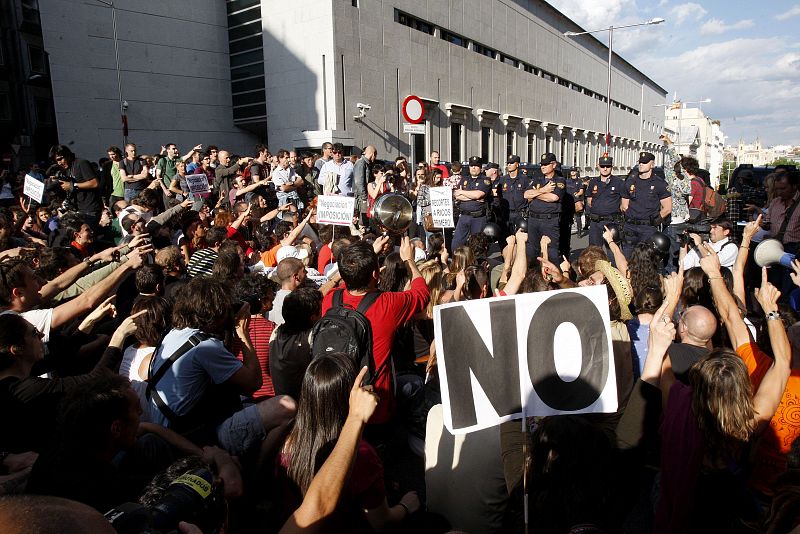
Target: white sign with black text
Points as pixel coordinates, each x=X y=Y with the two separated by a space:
x=333 y=209
x=546 y=353
x=442 y=207
x=33 y=188
x=197 y=183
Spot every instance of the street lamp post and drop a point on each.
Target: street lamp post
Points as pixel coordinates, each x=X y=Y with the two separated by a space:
x=610 y=31
x=123 y=105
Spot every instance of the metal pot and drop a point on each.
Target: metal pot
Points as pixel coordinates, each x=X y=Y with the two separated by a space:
x=392 y=213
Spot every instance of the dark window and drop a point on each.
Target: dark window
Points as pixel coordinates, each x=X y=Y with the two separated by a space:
x=563 y=149
x=575 y=154
x=244 y=17
x=548 y=143
x=44 y=111
x=244 y=31
x=509 y=143
x=576 y=87
x=238 y=5
x=483 y=50
x=253 y=97
x=246 y=72
x=564 y=83
x=453 y=38
x=248 y=57
x=355 y=3
x=418 y=147
x=413 y=22
x=531 y=146
x=529 y=68
x=248 y=85
x=5 y=107
x=455 y=142
x=248 y=112
x=247 y=44
x=509 y=61
x=486 y=143
x=36 y=55
x=547 y=76
x=30 y=11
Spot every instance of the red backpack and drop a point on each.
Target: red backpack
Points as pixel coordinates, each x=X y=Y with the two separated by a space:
x=714 y=204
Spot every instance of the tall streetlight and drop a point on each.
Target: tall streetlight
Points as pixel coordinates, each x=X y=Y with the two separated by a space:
x=123 y=105
x=610 y=31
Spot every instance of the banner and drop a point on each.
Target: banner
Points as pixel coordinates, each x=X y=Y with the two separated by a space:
x=442 y=207
x=332 y=209
x=545 y=353
x=197 y=183
x=33 y=188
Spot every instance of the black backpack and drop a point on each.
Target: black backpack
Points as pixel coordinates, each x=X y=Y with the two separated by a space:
x=345 y=329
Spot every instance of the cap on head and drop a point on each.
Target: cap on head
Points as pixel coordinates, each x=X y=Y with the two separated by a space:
x=475 y=161
x=646 y=157
x=605 y=161
x=492 y=166
x=547 y=158
x=513 y=159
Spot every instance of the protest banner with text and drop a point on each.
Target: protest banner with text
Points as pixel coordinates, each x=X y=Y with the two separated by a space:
x=545 y=353
x=33 y=188
x=332 y=209
x=442 y=207
x=197 y=183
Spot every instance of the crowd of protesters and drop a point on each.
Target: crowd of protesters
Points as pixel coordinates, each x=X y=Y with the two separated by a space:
x=149 y=327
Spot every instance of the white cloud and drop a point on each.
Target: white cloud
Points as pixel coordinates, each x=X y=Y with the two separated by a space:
x=793 y=12
x=688 y=11
x=594 y=15
x=717 y=26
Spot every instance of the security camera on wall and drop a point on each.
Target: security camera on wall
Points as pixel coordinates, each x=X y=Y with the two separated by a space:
x=362 y=111
x=363 y=107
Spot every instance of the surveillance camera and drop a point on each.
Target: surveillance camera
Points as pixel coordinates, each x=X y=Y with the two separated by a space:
x=363 y=107
x=124 y=104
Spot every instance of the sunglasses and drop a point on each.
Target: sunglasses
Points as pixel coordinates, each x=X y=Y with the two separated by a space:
x=605 y=166
x=336 y=151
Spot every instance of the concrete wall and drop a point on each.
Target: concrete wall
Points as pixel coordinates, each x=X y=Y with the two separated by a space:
x=378 y=61
x=174 y=70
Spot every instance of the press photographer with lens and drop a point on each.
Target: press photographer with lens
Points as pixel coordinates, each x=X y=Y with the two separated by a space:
x=719 y=238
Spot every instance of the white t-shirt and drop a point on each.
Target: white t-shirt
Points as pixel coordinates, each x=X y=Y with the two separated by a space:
x=41 y=319
x=131 y=361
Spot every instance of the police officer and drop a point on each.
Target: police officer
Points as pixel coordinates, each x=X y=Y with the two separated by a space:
x=511 y=192
x=544 y=196
x=646 y=201
x=471 y=194
x=603 y=197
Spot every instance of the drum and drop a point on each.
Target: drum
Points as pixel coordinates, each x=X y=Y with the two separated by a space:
x=392 y=213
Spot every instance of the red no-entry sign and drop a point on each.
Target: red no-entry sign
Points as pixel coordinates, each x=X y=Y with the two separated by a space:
x=413 y=109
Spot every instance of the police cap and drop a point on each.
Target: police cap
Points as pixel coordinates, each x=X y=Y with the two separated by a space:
x=646 y=157
x=605 y=161
x=547 y=158
x=475 y=161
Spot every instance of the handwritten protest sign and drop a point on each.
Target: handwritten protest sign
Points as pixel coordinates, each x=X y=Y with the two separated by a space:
x=332 y=209
x=198 y=183
x=442 y=207
x=544 y=353
x=33 y=188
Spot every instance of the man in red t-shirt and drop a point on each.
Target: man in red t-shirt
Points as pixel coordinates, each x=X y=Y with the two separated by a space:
x=359 y=269
x=436 y=165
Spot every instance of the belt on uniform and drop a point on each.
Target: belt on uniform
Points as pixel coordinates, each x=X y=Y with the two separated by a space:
x=597 y=218
x=479 y=213
x=637 y=222
x=554 y=215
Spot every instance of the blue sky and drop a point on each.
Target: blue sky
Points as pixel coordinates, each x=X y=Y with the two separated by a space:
x=743 y=55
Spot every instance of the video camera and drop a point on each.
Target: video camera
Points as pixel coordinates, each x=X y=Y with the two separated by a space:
x=701 y=228
x=192 y=497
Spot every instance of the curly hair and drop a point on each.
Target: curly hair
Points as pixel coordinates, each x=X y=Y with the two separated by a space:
x=644 y=268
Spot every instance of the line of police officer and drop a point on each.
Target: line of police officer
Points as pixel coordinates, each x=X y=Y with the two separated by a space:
x=639 y=204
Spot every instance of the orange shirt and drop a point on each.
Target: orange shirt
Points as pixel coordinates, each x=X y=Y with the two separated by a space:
x=270 y=257
x=773 y=446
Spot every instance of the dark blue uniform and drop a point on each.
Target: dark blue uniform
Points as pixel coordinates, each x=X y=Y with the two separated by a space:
x=568 y=213
x=606 y=198
x=544 y=217
x=473 y=212
x=511 y=191
x=644 y=207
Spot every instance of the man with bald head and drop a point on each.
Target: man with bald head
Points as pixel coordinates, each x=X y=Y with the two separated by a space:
x=696 y=327
x=362 y=171
x=225 y=173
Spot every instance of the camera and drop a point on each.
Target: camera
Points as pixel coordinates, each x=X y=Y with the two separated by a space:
x=192 y=497
x=701 y=229
x=363 y=107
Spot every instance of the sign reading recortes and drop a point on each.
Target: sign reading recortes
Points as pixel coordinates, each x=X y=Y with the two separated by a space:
x=413 y=109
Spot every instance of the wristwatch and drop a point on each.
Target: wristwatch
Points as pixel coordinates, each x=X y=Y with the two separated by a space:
x=88 y=260
x=773 y=316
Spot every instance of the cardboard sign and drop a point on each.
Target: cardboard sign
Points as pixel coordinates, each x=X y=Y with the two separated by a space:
x=34 y=188
x=442 y=207
x=197 y=183
x=546 y=353
x=333 y=209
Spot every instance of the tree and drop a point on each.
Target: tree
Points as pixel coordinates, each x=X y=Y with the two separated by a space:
x=783 y=160
x=726 y=172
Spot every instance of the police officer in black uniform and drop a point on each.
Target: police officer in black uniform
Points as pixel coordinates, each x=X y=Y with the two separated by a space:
x=647 y=203
x=603 y=197
x=544 y=196
x=471 y=195
x=511 y=191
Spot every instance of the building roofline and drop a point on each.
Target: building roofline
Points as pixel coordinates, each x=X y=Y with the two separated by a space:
x=617 y=57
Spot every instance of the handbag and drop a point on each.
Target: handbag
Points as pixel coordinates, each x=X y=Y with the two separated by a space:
x=428 y=222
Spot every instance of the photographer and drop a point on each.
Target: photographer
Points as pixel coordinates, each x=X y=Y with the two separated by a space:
x=81 y=184
x=720 y=241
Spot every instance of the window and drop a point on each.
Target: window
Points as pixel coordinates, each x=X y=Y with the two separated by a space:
x=355 y=3
x=563 y=83
x=509 y=61
x=509 y=143
x=253 y=97
x=547 y=76
x=413 y=22
x=30 y=11
x=418 y=148
x=453 y=38
x=249 y=112
x=483 y=50
x=486 y=143
x=248 y=71
x=239 y=5
x=248 y=43
x=248 y=85
x=575 y=150
x=455 y=141
x=548 y=143
x=246 y=58
x=244 y=17
x=562 y=157
x=44 y=111
x=531 y=146
x=36 y=56
x=245 y=30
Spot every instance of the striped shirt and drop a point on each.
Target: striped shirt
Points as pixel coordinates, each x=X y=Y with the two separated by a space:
x=202 y=262
x=260 y=332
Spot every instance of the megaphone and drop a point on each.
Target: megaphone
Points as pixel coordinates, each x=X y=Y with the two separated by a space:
x=770 y=252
